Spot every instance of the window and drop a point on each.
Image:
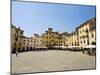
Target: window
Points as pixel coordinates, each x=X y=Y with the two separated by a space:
x=84 y=41
x=81 y=41
x=93 y=43
x=16 y=39
x=83 y=30
x=16 y=31
x=21 y=32
x=86 y=31
x=43 y=42
x=92 y=35
x=80 y=31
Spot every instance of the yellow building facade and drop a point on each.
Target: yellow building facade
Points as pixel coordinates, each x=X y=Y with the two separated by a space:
x=92 y=32
x=84 y=32
x=75 y=38
x=92 y=37
x=84 y=35
x=16 y=38
x=50 y=38
x=37 y=41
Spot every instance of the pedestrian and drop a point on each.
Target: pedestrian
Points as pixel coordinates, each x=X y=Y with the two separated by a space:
x=16 y=53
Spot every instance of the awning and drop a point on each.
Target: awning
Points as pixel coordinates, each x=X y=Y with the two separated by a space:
x=91 y=46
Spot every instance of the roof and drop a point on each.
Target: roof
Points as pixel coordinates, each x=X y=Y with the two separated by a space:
x=12 y=26
x=83 y=24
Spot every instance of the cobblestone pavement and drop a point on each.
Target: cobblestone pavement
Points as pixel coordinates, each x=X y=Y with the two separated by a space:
x=52 y=60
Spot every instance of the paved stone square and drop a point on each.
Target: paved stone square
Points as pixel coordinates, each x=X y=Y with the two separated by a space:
x=52 y=60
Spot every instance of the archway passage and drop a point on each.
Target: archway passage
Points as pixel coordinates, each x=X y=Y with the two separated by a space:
x=13 y=50
x=93 y=43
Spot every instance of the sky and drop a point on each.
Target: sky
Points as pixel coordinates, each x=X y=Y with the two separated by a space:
x=35 y=17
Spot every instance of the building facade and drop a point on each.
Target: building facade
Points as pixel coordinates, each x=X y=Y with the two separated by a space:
x=92 y=32
x=27 y=43
x=16 y=38
x=37 y=41
x=50 y=38
x=75 y=38
x=64 y=38
x=84 y=35
x=85 y=31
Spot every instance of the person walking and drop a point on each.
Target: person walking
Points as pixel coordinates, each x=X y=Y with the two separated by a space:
x=16 y=53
